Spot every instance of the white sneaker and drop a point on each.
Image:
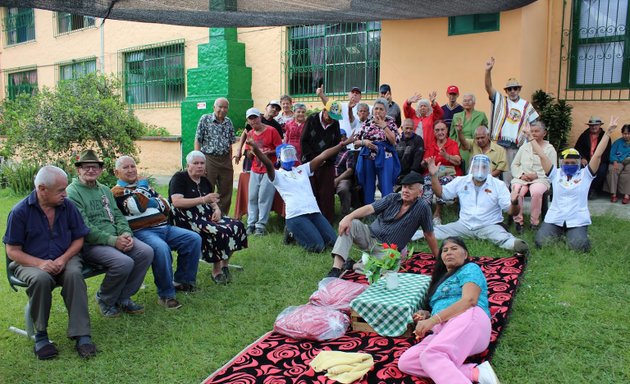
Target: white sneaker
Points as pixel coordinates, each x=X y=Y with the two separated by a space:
x=486 y=374
x=418 y=235
x=437 y=221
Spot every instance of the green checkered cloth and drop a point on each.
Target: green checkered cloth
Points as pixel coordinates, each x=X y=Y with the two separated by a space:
x=389 y=312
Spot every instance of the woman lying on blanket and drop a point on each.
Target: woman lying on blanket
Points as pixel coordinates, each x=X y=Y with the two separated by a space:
x=458 y=324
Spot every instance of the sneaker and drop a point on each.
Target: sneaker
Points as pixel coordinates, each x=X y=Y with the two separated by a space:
x=288 y=237
x=169 y=303
x=106 y=310
x=227 y=274
x=220 y=279
x=518 y=228
x=486 y=374
x=186 y=288
x=437 y=220
x=260 y=232
x=334 y=272
x=520 y=247
x=131 y=308
x=250 y=230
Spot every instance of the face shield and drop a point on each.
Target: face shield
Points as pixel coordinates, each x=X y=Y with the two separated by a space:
x=480 y=167
x=287 y=156
x=570 y=162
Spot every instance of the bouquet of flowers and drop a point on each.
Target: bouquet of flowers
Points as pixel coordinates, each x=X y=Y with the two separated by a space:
x=374 y=267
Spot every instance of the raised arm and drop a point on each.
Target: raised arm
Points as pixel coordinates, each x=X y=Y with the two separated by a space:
x=330 y=152
x=488 y=78
x=320 y=93
x=271 y=171
x=433 y=171
x=601 y=147
x=463 y=142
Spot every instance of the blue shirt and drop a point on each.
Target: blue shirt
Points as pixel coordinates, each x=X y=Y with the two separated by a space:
x=619 y=151
x=451 y=289
x=27 y=226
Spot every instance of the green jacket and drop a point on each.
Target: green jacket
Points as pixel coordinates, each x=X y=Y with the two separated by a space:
x=91 y=203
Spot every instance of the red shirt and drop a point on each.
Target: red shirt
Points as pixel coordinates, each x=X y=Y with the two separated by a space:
x=450 y=147
x=427 y=121
x=267 y=141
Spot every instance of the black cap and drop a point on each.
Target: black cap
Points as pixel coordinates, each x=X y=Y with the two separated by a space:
x=384 y=88
x=356 y=89
x=412 y=178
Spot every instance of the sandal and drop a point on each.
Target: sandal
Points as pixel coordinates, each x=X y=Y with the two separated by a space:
x=46 y=352
x=220 y=279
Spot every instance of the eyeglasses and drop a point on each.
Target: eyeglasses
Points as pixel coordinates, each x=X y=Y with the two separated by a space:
x=91 y=167
x=509 y=89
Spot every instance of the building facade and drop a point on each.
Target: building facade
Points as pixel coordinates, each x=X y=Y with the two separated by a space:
x=575 y=50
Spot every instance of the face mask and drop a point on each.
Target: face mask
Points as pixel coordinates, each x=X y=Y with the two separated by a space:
x=480 y=175
x=288 y=165
x=480 y=165
x=570 y=169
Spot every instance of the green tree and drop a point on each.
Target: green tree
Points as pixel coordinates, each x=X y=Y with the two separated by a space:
x=54 y=125
x=556 y=114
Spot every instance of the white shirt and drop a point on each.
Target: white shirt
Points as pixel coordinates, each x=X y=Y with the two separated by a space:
x=478 y=209
x=295 y=188
x=570 y=198
x=355 y=126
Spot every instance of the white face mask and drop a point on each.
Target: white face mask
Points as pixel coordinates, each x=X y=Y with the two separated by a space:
x=480 y=167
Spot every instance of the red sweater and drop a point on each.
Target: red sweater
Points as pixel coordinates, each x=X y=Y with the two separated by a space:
x=427 y=122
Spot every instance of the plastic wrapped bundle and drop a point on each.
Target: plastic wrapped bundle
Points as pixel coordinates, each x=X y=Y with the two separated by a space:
x=311 y=322
x=336 y=293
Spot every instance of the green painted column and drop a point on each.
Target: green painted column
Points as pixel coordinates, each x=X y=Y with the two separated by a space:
x=221 y=72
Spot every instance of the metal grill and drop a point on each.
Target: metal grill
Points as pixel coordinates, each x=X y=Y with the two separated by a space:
x=340 y=56
x=154 y=75
x=595 y=53
x=67 y=22
x=76 y=69
x=21 y=82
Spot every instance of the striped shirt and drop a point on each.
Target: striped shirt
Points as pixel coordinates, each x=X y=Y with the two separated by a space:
x=388 y=229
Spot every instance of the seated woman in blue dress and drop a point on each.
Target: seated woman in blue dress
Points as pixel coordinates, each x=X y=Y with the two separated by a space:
x=195 y=208
x=457 y=324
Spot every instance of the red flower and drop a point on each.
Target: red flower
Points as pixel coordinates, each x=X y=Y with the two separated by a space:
x=394 y=247
x=385 y=246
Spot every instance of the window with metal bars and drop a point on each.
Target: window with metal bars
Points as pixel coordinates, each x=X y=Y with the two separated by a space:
x=21 y=82
x=67 y=22
x=340 y=56
x=19 y=25
x=154 y=76
x=76 y=69
x=600 y=52
x=482 y=22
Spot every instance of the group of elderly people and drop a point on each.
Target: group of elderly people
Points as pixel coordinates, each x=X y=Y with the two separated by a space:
x=130 y=227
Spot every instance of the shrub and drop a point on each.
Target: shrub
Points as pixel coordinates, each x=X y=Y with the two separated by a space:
x=556 y=114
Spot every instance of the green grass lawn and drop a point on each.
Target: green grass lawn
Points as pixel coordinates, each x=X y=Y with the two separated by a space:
x=570 y=321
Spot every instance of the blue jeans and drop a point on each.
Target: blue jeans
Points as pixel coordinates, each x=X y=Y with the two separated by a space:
x=163 y=239
x=312 y=231
x=385 y=180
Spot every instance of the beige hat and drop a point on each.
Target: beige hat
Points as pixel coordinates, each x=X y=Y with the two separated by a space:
x=594 y=120
x=512 y=82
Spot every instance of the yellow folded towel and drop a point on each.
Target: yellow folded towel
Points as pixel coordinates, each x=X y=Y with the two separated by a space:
x=344 y=367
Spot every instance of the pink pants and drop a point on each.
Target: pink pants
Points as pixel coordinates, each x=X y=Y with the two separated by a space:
x=536 y=190
x=441 y=355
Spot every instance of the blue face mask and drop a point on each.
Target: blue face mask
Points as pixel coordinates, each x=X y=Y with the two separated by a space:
x=570 y=169
x=288 y=165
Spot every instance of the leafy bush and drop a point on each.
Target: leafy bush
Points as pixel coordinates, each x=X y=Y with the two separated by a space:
x=154 y=130
x=53 y=126
x=556 y=114
x=18 y=176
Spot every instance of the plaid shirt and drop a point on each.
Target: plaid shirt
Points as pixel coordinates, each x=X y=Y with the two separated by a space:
x=214 y=137
x=345 y=160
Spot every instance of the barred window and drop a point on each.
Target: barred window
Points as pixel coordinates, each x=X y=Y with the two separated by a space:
x=599 y=51
x=67 y=22
x=340 y=56
x=154 y=76
x=19 y=25
x=481 y=22
x=76 y=69
x=21 y=82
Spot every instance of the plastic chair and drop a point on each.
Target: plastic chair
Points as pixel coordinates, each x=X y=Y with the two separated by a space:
x=89 y=270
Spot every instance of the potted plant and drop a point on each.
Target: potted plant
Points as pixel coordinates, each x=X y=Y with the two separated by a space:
x=388 y=262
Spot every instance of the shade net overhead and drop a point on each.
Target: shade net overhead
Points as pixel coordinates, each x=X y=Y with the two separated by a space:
x=254 y=13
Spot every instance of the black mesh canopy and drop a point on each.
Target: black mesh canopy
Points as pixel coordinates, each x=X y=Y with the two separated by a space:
x=253 y=13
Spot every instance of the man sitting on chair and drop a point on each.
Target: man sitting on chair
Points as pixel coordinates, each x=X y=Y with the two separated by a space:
x=43 y=239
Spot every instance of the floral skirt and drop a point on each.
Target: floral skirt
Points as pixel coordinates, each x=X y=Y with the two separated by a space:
x=427 y=191
x=218 y=239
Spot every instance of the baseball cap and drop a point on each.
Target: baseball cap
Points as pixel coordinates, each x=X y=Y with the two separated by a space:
x=334 y=109
x=252 y=112
x=384 y=88
x=452 y=89
x=355 y=90
x=275 y=103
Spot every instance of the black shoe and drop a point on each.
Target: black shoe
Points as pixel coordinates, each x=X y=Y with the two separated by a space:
x=288 y=237
x=519 y=228
x=86 y=351
x=334 y=272
x=348 y=265
x=186 y=288
x=534 y=227
x=220 y=279
x=227 y=274
x=46 y=352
